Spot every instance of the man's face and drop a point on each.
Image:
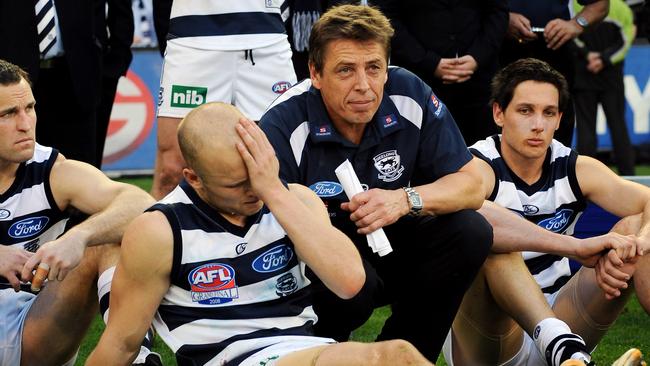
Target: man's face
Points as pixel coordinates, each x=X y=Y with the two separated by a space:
x=530 y=120
x=352 y=80
x=228 y=188
x=17 y=122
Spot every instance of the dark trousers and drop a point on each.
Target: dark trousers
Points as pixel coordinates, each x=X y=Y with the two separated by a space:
x=613 y=101
x=62 y=121
x=109 y=87
x=560 y=60
x=433 y=263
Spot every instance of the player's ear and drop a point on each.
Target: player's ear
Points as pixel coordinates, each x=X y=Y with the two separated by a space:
x=192 y=178
x=314 y=75
x=497 y=114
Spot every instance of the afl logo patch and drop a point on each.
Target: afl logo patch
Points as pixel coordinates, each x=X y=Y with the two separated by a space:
x=213 y=283
x=4 y=214
x=281 y=87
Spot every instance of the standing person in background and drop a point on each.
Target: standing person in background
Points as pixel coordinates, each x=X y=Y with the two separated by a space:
x=554 y=28
x=453 y=46
x=161 y=11
x=115 y=32
x=599 y=79
x=56 y=43
x=220 y=51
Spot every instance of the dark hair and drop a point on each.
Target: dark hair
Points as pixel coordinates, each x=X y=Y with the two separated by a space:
x=352 y=22
x=11 y=74
x=507 y=79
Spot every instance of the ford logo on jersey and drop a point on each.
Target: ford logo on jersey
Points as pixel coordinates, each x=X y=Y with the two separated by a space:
x=557 y=223
x=4 y=214
x=326 y=189
x=28 y=227
x=213 y=283
x=273 y=259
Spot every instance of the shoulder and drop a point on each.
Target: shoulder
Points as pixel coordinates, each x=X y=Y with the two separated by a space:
x=150 y=232
x=485 y=149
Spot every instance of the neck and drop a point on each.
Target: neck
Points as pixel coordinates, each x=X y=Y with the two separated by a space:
x=7 y=174
x=527 y=169
x=351 y=132
x=233 y=218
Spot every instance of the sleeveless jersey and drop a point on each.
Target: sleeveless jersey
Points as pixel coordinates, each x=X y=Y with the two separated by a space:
x=29 y=216
x=555 y=202
x=234 y=290
x=227 y=25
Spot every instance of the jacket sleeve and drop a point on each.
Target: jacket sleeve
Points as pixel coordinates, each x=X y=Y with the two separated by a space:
x=119 y=21
x=494 y=26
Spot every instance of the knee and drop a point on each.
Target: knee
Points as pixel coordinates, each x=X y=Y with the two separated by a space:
x=473 y=235
x=395 y=352
x=629 y=225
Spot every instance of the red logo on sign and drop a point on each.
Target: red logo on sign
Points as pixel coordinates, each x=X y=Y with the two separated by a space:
x=131 y=118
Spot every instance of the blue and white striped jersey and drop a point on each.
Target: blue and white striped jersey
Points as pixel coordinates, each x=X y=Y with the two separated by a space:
x=227 y=25
x=555 y=202
x=29 y=216
x=234 y=290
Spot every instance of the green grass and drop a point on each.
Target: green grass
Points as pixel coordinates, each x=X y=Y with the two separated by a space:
x=632 y=329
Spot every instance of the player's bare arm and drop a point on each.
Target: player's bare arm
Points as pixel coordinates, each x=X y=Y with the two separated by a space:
x=141 y=280
x=616 y=195
x=326 y=250
x=112 y=205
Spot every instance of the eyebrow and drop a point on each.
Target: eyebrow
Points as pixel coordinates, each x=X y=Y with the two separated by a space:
x=8 y=110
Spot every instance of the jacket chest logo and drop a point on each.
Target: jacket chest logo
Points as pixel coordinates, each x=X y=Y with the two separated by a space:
x=389 y=165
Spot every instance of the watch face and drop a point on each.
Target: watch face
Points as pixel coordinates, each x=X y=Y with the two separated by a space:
x=582 y=22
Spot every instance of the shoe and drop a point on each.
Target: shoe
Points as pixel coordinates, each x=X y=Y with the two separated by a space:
x=633 y=357
x=572 y=362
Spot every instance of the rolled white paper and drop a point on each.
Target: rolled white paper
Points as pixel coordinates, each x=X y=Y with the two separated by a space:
x=377 y=239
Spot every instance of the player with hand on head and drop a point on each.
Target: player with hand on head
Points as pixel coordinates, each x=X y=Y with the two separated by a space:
x=227 y=285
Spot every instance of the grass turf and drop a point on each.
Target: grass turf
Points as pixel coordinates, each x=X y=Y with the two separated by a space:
x=632 y=329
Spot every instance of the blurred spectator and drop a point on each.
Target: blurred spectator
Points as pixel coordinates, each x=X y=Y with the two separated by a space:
x=453 y=46
x=302 y=15
x=599 y=79
x=115 y=32
x=63 y=59
x=218 y=51
x=541 y=29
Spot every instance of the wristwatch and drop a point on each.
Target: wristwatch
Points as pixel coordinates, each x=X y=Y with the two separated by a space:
x=582 y=21
x=415 y=202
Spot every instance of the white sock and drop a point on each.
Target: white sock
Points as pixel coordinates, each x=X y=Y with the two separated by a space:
x=550 y=329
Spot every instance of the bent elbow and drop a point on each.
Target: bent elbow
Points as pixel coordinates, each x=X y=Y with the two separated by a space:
x=353 y=285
